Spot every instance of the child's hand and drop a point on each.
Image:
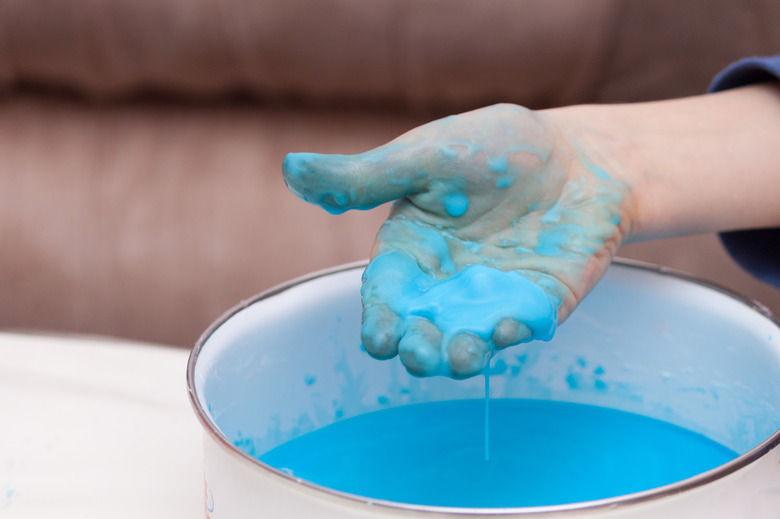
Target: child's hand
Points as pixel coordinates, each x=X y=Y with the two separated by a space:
x=501 y=225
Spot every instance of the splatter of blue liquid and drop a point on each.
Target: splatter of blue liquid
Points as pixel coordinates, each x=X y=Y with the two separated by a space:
x=541 y=453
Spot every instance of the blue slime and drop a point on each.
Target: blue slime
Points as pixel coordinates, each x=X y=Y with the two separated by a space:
x=541 y=453
x=469 y=304
x=500 y=225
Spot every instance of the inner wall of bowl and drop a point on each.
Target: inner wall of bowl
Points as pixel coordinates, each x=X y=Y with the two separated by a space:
x=641 y=342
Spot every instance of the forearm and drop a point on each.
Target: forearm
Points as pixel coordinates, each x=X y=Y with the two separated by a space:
x=700 y=164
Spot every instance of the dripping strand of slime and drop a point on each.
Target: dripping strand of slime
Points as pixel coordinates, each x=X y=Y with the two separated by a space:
x=487 y=412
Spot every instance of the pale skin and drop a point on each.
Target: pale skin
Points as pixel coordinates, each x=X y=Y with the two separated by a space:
x=700 y=164
x=551 y=195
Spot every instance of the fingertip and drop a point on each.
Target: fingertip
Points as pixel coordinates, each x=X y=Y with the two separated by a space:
x=363 y=181
x=420 y=349
x=310 y=177
x=291 y=163
x=293 y=168
x=468 y=355
x=509 y=332
x=300 y=164
x=380 y=331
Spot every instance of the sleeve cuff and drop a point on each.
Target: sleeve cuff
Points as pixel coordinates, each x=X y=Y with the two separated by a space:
x=745 y=72
x=756 y=250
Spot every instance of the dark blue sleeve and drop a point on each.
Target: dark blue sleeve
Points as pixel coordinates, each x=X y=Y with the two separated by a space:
x=757 y=251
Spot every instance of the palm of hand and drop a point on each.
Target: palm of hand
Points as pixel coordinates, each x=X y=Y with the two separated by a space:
x=500 y=228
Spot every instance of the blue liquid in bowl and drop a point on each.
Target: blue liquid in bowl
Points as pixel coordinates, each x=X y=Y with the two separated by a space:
x=541 y=453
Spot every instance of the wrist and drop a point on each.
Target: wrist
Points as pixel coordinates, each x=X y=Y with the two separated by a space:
x=600 y=135
x=700 y=164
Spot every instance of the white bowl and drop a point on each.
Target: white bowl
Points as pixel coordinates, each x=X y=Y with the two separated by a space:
x=670 y=348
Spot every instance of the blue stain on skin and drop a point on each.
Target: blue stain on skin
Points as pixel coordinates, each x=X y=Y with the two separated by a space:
x=503 y=182
x=498 y=164
x=456 y=204
x=455 y=148
x=473 y=247
x=600 y=173
x=440 y=283
x=551 y=242
x=472 y=301
x=434 y=242
x=552 y=215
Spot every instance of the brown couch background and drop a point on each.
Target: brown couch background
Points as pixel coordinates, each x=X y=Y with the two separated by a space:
x=141 y=142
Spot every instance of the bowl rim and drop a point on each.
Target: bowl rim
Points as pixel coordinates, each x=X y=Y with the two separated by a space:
x=673 y=489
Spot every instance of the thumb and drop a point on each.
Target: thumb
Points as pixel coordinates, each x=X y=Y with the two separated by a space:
x=338 y=183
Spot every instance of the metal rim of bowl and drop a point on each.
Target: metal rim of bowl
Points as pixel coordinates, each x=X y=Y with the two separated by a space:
x=586 y=506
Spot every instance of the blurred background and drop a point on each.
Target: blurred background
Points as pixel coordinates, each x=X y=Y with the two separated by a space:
x=141 y=141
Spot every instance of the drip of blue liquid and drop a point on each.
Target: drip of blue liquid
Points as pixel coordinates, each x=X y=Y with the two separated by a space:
x=541 y=453
x=487 y=412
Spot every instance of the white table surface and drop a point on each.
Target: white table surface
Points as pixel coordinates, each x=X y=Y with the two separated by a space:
x=96 y=428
